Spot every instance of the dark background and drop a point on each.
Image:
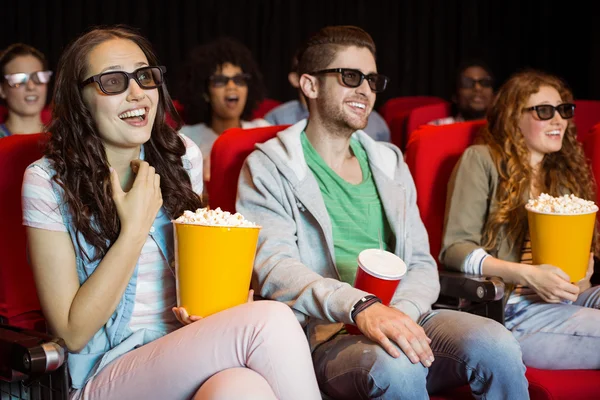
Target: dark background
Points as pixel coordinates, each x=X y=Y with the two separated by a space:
x=419 y=43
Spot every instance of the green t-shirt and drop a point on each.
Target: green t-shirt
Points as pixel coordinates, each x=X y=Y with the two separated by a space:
x=356 y=213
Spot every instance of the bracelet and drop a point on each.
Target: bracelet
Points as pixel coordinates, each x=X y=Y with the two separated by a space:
x=363 y=304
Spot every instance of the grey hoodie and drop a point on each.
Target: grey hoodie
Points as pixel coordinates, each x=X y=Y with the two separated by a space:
x=295 y=261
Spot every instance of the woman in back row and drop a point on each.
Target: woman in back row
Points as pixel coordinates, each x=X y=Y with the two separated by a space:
x=24 y=78
x=220 y=87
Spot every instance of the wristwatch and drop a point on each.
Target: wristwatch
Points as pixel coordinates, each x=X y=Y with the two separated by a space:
x=363 y=304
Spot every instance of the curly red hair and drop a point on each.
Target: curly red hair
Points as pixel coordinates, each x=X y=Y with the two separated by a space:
x=565 y=170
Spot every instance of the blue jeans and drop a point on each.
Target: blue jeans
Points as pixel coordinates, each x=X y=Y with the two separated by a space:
x=468 y=350
x=558 y=336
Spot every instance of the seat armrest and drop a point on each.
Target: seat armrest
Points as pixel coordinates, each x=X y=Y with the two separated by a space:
x=474 y=294
x=471 y=287
x=29 y=353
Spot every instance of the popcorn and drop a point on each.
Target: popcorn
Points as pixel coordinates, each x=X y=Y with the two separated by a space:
x=567 y=204
x=218 y=217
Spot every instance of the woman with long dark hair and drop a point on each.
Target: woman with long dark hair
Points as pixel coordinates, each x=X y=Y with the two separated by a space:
x=97 y=209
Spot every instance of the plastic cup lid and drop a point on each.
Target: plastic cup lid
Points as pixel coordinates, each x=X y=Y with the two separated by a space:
x=382 y=264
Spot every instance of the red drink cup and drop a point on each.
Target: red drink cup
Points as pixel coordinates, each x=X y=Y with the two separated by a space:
x=379 y=272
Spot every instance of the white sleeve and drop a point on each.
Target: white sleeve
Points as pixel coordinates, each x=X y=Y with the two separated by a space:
x=473 y=263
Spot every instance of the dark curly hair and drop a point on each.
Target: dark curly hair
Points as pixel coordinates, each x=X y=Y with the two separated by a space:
x=201 y=63
x=78 y=156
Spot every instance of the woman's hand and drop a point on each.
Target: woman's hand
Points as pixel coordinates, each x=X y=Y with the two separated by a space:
x=586 y=283
x=182 y=315
x=137 y=208
x=551 y=283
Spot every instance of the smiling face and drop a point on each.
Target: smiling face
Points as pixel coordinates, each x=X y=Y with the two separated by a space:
x=124 y=120
x=228 y=101
x=542 y=137
x=340 y=106
x=472 y=98
x=28 y=99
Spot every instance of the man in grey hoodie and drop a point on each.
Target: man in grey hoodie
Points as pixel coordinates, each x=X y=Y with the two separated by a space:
x=323 y=191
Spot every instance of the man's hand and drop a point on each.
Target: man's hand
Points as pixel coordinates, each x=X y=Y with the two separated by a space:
x=383 y=324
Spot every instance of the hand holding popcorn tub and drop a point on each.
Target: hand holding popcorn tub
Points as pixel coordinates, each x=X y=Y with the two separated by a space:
x=214 y=257
x=561 y=231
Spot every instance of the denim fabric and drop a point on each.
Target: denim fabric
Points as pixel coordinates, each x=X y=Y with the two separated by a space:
x=115 y=338
x=468 y=350
x=558 y=336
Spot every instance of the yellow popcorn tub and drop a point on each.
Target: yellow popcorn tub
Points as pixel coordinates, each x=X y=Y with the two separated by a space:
x=562 y=240
x=213 y=266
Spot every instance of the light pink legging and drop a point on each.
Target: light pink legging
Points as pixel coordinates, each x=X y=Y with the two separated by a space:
x=253 y=351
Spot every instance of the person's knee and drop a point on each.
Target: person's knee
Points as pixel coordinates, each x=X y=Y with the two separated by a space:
x=398 y=375
x=233 y=384
x=493 y=345
x=377 y=374
x=270 y=308
x=273 y=311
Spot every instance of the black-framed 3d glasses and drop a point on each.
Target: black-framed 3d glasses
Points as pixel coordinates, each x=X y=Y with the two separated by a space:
x=469 y=83
x=354 y=78
x=546 y=111
x=116 y=82
x=220 y=80
x=21 y=78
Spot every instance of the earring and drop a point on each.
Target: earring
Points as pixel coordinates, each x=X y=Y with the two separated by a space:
x=206 y=98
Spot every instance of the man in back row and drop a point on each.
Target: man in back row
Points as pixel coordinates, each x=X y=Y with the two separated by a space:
x=473 y=93
x=323 y=191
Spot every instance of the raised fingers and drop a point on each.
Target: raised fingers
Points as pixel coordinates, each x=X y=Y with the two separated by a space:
x=150 y=176
x=141 y=169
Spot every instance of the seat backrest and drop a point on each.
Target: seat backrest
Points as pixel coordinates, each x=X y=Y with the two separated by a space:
x=425 y=114
x=17 y=289
x=397 y=105
x=264 y=107
x=179 y=107
x=587 y=114
x=591 y=146
x=431 y=155
x=227 y=157
x=395 y=113
x=45 y=117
